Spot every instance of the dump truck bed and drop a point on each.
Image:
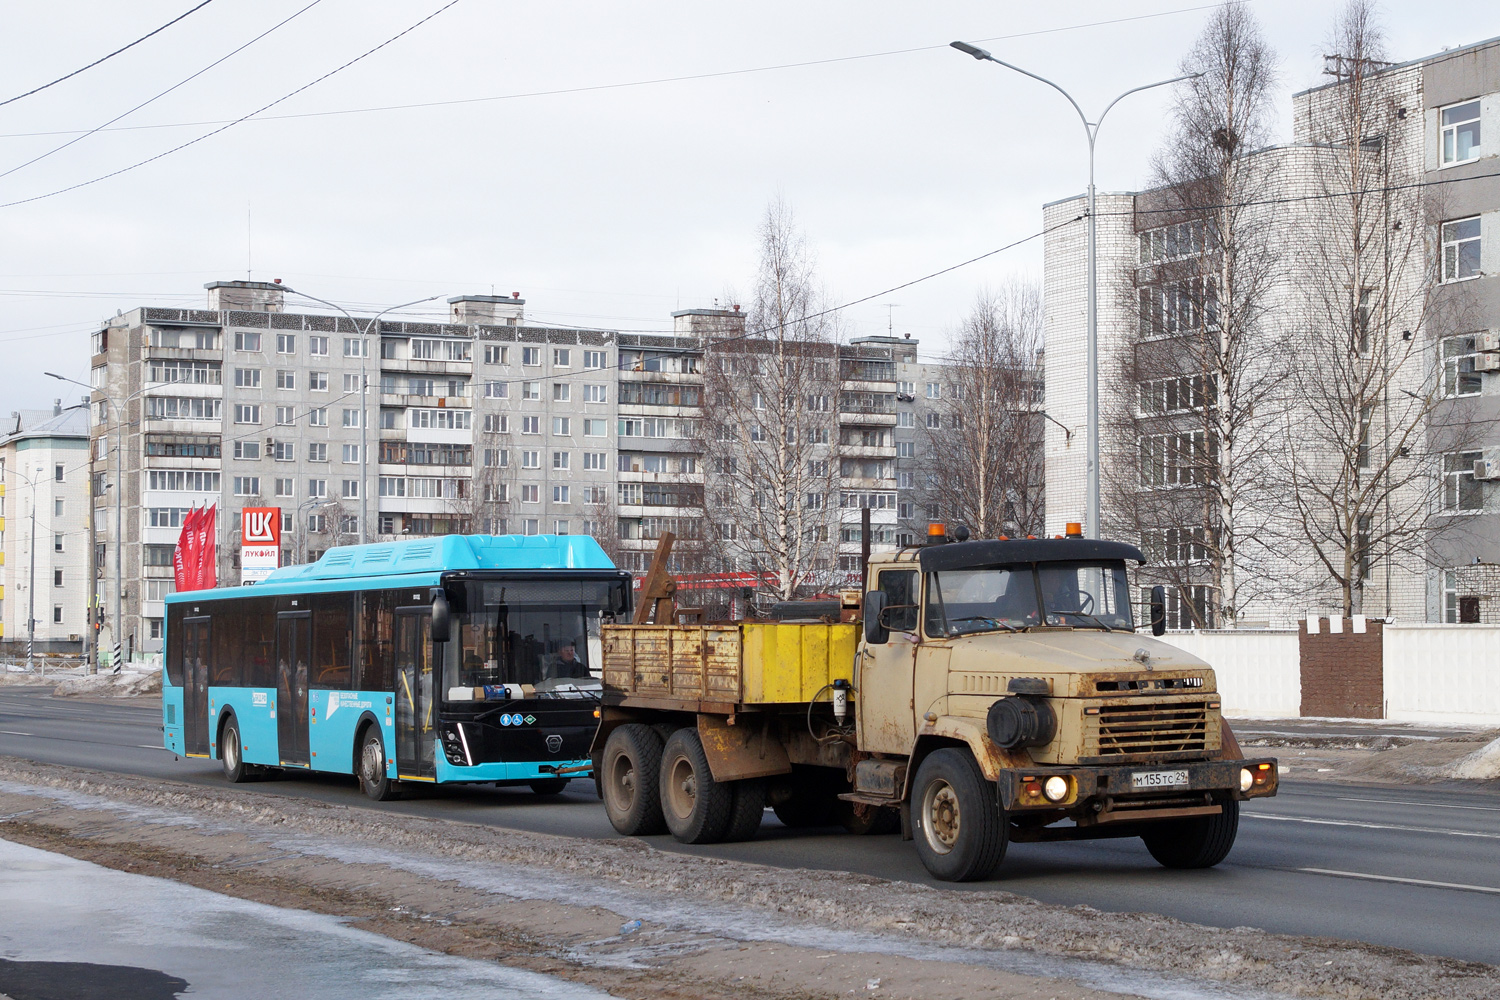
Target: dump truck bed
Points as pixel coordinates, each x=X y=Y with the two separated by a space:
x=725 y=668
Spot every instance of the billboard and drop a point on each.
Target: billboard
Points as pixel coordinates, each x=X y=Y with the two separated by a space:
x=260 y=543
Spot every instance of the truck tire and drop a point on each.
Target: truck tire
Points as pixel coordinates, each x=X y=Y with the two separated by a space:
x=1195 y=843
x=697 y=808
x=960 y=832
x=804 y=799
x=748 y=809
x=628 y=776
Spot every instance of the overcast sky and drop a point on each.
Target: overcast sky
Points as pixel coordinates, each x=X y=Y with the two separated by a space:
x=608 y=206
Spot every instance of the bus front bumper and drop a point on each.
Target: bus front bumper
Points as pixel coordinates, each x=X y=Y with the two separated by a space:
x=518 y=771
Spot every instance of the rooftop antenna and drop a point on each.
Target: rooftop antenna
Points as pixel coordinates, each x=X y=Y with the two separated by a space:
x=890 y=318
x=247 y=239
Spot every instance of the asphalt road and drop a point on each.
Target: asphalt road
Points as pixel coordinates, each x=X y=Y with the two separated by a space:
x=1406 y=866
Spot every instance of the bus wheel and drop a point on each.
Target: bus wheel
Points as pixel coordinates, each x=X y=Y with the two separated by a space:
x=372 y=777
x=961 y=834
x=697 y=807
x=627 y=775
x=231 y=755
x=748 y=809
x=1201 y=842
x=548 y=786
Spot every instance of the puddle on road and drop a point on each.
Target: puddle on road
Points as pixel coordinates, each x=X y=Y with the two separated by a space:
x=78 y=917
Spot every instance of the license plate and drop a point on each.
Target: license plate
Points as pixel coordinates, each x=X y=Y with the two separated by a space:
x=1159 y=779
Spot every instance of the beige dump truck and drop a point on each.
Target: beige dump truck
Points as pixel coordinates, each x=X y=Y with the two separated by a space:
x=994 y=691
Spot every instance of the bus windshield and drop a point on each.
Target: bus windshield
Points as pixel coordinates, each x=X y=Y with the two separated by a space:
x=529 y=638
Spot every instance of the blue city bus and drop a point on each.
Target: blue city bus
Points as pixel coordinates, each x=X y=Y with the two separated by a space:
x=460 y=658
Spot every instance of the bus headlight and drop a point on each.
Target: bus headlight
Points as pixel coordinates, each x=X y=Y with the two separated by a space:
x=1246 y=779
x=1055 y=788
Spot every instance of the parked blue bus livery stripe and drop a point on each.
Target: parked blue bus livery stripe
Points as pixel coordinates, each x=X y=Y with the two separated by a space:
x=460 y=658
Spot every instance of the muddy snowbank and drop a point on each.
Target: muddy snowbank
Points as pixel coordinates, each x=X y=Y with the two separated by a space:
x=125 y=684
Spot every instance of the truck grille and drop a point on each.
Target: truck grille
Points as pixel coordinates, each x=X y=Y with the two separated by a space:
x=1127 y=730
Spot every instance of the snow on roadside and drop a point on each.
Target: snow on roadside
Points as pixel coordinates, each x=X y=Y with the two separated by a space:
x=125 y=684
x=1481 y=764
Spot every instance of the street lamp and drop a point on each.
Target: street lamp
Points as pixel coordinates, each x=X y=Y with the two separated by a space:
x=1091 y=129
x=302 y=527
x=364 y=390
x=31 y=585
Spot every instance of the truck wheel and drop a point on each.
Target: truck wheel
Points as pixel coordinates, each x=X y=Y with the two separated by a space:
x=805 y=800
x=961 y=835
x=628 y=776
x=1195 y=843
x=697 y=808
x=748 y=809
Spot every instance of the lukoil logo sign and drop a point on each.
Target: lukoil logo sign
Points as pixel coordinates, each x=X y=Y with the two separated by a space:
x=261 y=526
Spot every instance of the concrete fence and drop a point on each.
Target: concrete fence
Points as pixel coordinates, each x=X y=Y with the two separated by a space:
x=1353 y=668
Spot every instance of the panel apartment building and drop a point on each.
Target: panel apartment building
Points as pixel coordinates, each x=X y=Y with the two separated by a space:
x=1410 y=474
x=481 y=423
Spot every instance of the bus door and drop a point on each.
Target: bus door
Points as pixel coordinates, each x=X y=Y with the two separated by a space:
x=195 y=653
x=292 y=648
x=415 y=725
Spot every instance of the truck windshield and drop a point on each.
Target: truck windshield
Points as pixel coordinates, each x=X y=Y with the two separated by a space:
x=1009 y=598
x=528 y=638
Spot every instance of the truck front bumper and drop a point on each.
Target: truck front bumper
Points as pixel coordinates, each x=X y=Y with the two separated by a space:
x=1136 y=792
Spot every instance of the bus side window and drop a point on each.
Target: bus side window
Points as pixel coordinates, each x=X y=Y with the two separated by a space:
x=174 y=645
x=228 y=639
x=259 y=649
x=900 y=589
x=376 y=652
x=331 y=626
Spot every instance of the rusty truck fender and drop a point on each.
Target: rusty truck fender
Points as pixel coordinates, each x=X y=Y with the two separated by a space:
x=951 y=730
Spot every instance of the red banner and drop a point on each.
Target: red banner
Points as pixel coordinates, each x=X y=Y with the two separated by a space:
x=184 y=560
x=195 y=560
x=207 y=545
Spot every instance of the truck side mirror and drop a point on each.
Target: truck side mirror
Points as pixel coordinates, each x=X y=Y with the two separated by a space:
x=1158 y=610
x=442 y=616
x=875 y=632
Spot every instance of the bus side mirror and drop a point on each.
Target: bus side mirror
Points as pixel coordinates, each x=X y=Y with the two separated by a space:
x=442 y=616
x=1158 y=610
x=875 y=631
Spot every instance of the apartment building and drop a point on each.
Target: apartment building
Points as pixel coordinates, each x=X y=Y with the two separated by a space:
x=45 y=553
x=1416 y=439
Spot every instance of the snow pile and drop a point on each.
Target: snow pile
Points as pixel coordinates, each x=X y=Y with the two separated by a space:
x=126 y=684
x=1481 y=764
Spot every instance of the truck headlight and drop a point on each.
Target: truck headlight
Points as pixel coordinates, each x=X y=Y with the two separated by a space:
x=1055 y=788
x=1246 y=779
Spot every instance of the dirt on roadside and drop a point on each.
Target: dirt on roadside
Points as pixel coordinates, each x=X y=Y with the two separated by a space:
x=709 y=927
x=1386 y=758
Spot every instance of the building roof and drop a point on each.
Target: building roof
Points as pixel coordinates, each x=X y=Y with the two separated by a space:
x=1435 y=57
x=73 y=422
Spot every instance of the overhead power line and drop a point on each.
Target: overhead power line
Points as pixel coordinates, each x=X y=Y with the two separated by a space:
x=208 y=135
x=96 y=62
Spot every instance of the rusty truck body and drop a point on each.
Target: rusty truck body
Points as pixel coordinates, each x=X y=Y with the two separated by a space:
x=993 y=691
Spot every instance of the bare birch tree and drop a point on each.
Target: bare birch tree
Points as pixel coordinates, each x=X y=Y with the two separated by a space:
x=983 y=461
x=771 y=440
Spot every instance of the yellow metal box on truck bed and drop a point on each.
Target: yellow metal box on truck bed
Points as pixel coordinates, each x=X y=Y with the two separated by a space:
x=750 y=663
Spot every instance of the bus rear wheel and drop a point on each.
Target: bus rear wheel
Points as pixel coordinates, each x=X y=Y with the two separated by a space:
x=628 y=773
x=373 y=779
x=697 y=808
x=232 y=754
x=548 y=786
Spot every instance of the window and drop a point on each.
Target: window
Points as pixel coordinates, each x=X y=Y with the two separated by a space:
x=317 y=346
x=1462 y=493
x=496 y=354
x=351 y=383
x=351 y=418
x=595 y=359
x=561 y=426
x=560 y=356
x=529 y=493
x=317 y=489
x=387 y=420
x=934 y=421
x=560 y=459
x=595 y=428
x=934 y=390
x=906 y=449
x=1459 y=376
x=1460 y=129
x=317 y=452
x=531 y=390
x=593 y=461
x=531 y=425
x=247 y=486
x=1175 y=546
x=440 y=350
x=497 y=390
x=247 y=450
x=244 y=341
x=814 y=501
x=181 y=480
x=531 y=357
x=351 y=454
x=531 y=460
x=757 y=432
x=496 y=458
x=1450 y=596
x=350 y=489
x=1175 y=395
x=349 y=524
x=189 y=372
x=1461 y=249
x=185 y=408
x=166 y=517
x=57 y=506
x=317 y=416
x=286 y=416
x=1175 y=242
x=529 y=526
x=245 y=413
x=906 y=418
x=497 y=423
x=286 y=488
x=594 y=394
x=390 y=350
x=286 y=343
x=356 y=347
x=560 y=494
x=247 y=378
x=1175 y=459
x=317 y=381
x=442 y=419
x=561 y=392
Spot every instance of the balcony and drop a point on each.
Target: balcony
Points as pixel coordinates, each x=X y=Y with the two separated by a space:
x=425 y=402
x=425 y=367
x=866 y=418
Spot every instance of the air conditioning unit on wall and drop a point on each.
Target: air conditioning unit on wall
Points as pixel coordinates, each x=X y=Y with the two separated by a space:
x=1489 y=341
x=1487 y=362
x=1487 y=467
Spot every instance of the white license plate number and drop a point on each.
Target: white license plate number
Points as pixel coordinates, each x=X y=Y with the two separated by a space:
x=1159 y=779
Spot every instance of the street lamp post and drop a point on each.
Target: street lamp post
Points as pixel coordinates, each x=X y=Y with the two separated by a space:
x=1091 y=129
x=364 y=392
x=31 y=584
x=302 y=527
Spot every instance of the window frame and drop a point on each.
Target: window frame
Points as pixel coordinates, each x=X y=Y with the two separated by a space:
x=1446 y=128
x=1456 y=245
